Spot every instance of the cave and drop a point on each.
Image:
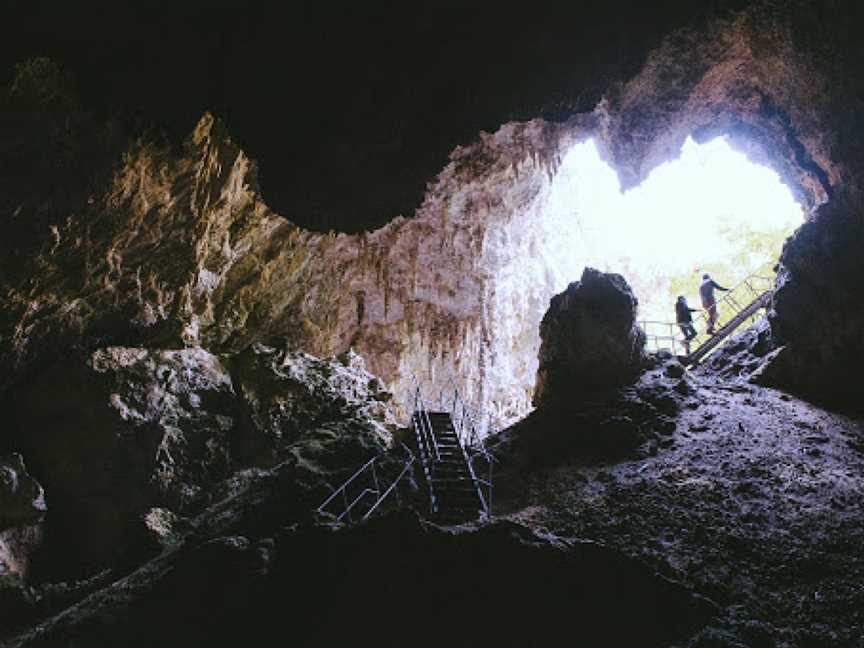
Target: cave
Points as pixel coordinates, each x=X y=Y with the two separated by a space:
x=255 y=254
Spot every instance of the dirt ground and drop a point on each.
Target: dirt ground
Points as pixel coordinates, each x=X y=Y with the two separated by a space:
x=756 y=500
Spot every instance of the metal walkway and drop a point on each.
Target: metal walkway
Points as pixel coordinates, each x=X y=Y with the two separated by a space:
x=741 y=303
x=452 y=455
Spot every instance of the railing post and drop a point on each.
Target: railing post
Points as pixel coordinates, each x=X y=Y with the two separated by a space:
x=347 y=508
x=375 y=479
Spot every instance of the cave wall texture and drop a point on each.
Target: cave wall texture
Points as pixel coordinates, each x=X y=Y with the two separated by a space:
x=173 y=245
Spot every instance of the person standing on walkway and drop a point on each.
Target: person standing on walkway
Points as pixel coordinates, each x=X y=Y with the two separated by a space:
x=709 y=303
x=685 y=321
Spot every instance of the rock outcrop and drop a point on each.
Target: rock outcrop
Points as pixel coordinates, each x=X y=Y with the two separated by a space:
x=590 y=341
x=285 y=395
x=131 y=441
x=120 y=431
x=22 y=509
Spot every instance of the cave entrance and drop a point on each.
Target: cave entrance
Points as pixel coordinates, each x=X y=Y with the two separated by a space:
x=711 y=210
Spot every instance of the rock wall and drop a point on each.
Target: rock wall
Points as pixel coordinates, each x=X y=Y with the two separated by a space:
x=183 y=252
x=130 y=442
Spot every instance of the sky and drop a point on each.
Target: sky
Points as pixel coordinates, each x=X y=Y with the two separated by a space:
x=667 y=225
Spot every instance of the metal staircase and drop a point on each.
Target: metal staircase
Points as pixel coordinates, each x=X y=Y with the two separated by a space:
x=451 y=453
x=713 y=341
x=738 y=305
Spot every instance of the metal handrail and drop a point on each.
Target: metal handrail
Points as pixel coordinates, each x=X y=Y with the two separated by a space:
x=426 y=441
x=368 y=467
x=472 y=446
x=754 y=287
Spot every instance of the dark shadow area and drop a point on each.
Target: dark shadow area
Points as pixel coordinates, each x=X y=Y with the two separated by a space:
x=396 y=582
x=331 y=98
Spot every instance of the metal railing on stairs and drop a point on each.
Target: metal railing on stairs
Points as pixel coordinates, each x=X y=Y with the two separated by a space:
x=473 y=448
x=747 y=297
x=427 y=444
x=734 y=302
x=364 y=492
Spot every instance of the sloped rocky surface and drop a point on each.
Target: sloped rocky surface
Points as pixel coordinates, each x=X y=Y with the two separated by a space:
x=389 y=582
x=753 y=499
x=619 y=424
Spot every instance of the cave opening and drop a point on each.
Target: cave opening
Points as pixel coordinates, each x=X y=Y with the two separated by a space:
x=710 y=210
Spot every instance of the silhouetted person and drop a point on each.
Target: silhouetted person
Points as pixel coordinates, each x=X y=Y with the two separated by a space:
x=685 y=321
x=709 y=303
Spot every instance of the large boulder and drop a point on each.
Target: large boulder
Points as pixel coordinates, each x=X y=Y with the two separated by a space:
x=590 y=342
x=117 y=432
x=22 y=509
x=131 y=442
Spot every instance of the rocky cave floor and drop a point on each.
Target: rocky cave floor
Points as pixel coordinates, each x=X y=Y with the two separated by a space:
x=755 y=501
x=688 y=509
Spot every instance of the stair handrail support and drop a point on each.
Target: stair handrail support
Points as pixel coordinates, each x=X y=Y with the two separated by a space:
x=369 y=466
x=471 y=446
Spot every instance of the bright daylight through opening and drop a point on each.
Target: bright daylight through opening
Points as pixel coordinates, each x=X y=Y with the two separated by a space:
x=711 y=210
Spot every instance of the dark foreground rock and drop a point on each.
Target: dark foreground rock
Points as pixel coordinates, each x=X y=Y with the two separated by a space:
x=589 y=340
x=22 y=510
x=393 y=582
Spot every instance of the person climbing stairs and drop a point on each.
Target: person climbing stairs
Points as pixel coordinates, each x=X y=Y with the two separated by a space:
x=728 y=328
x=739 y=304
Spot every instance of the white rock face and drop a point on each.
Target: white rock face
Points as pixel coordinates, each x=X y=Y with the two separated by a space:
x=184 y=252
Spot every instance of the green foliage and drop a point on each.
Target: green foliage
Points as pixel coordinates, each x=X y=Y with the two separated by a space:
x=753 y=248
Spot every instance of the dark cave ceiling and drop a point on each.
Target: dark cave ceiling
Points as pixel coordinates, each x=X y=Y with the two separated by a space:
x=350 y=108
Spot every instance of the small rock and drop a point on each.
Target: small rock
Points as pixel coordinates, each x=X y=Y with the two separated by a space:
x=674 y=370
x=665 y=426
